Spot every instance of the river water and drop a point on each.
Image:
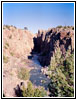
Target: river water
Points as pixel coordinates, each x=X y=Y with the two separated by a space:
x=36 y=76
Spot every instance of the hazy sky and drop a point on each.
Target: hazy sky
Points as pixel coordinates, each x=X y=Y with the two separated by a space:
x=38 y=15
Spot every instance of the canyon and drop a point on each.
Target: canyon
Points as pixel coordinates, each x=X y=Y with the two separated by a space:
x=33 y=52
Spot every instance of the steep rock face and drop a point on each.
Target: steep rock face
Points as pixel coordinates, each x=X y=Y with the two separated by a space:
x=17 y=41
x=46 y=43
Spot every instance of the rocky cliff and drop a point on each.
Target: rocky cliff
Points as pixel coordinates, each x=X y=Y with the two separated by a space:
x=46 y=42
x=17 y=42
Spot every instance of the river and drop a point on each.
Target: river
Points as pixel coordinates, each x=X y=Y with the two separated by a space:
x=36 y=76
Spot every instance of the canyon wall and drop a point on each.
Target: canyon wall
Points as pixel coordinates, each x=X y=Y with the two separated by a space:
x=18 y=42
x=46 y=42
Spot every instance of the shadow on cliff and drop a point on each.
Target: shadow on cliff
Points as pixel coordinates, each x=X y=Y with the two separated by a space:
x=18 y=90
x=42 y=48
x=45 y=44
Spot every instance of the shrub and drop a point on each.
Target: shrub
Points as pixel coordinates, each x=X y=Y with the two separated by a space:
x=7 y=26
x=13 y=26
x=65 y=27
x=40 y=92
x=7 y=44
x=43 y=81
x=30 y=91
x=5 y=59
x=11 y=53
x=60 y=26
x=23 y=74
x=37 y=93
x=5 y=47
x=68 y=26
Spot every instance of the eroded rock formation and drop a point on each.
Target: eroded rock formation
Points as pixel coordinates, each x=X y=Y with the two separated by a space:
x=46 y=43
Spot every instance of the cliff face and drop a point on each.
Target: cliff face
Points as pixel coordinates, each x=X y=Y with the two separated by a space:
x=17 y=41
x=46 y=43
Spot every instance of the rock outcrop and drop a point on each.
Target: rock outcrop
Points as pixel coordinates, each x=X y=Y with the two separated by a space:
x=18 y=42
x=46 y=43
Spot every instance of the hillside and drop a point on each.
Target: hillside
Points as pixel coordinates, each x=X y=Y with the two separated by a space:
x=16 y=40
x=17 y=45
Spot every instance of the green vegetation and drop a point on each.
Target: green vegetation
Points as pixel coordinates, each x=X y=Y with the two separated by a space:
x=13 y=26
x=62 y=76
x=11 y=53
x=65 y=27
x=55 y=59
x=5 y=59
x=30 y=91
x=40 y=92
x=43 y=81
x=68 y=26
x=23 y=74
x=7 y=44
x=60 y=26
x=5 y=47
x=7 y=26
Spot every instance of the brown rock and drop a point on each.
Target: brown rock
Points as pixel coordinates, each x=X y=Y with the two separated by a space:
x=47 y=41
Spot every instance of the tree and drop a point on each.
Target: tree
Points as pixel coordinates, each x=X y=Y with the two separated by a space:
x=40 y=92
x=62 y=75
x=30 y=91
x=55 y=60
x=25 y=28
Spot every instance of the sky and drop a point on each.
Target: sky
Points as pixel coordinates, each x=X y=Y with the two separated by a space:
x=36 y=16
